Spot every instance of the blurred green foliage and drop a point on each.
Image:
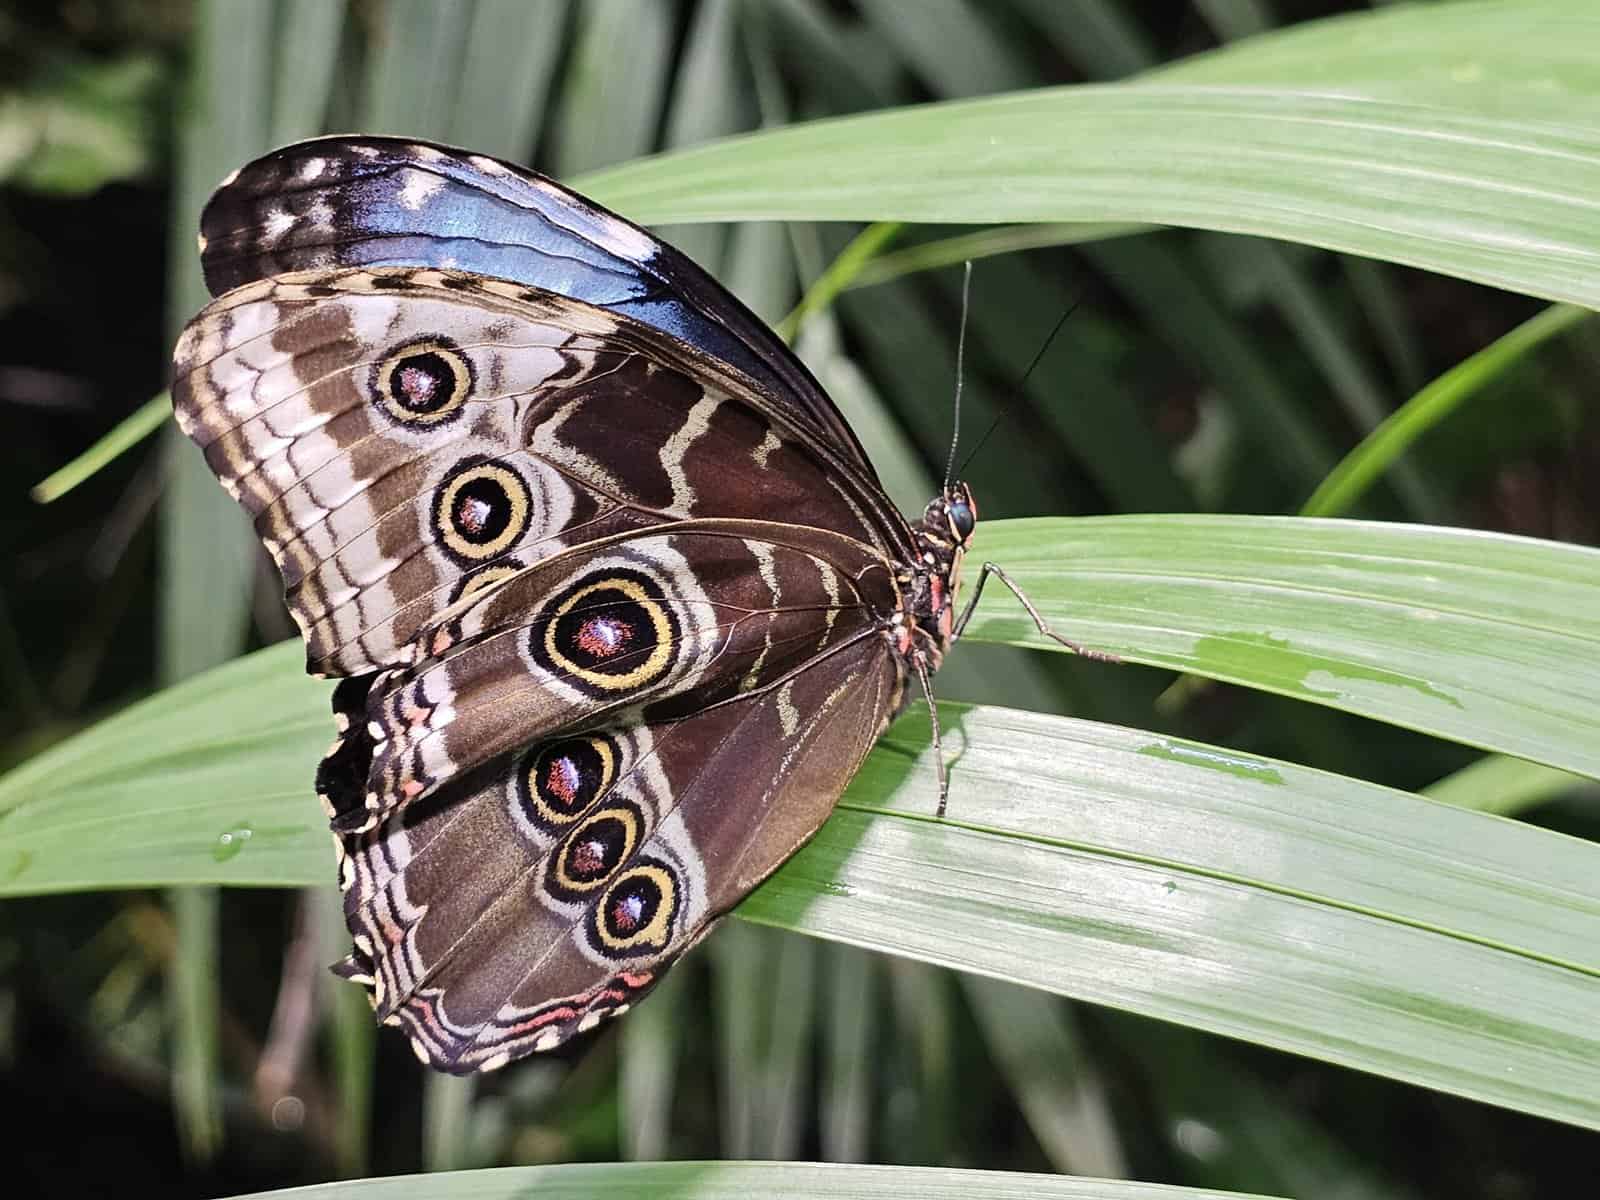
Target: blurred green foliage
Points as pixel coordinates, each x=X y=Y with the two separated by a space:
x=191 y=1041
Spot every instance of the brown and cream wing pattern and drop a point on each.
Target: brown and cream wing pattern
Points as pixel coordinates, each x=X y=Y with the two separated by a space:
x=617 y=602
x=677 y=617
x=609 y=845
x=402 y=437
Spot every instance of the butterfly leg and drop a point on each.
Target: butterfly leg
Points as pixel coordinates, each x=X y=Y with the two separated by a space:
x=919 y=663
x=1043 y=626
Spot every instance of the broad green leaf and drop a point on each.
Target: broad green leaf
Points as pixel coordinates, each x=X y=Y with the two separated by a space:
x=1481 y=165
x=1483 y=638
x=614 y=84
x=412 y=78
x=510 y=58
x=737 y=1181
x=1255 y=898
x=305 y=68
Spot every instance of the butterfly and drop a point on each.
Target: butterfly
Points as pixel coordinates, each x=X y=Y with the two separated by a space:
x=616 y=602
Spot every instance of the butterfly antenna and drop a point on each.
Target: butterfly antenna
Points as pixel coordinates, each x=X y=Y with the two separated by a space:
x=961 y=372
x=1037 y=358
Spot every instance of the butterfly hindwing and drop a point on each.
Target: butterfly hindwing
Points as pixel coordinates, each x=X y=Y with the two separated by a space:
x=597 y=859
x=676 y=618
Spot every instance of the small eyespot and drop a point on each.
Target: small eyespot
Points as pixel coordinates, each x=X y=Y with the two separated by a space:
x=594 y=850
x=480 y=510
x=559 y=781
x=423 y=383
x=635 y=913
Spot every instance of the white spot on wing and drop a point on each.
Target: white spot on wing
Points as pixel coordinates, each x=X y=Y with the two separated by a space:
x=419 y=189
x=278 y=223
x=311 y=168
x=764 y=451
x=830 y=584
x=762 y=553
x=788 y=714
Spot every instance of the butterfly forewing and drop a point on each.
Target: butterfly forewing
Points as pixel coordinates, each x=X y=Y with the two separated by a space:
x=403 y=437
x=341 y=202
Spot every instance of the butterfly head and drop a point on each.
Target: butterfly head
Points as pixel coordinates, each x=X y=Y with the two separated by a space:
x=952 y=516
x=961 y=513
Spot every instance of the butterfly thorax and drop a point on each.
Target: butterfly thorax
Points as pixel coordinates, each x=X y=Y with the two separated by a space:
x=942 y=538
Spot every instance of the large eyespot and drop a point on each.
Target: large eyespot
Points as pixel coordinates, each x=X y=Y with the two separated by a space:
x=482 y=581
x=423 y=383
x=557 y=782
x=480 y=510
x=594 y=850
x=610 y=633
x=634 y=914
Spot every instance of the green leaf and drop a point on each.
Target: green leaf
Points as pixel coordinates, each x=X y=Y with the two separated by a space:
x=1505 y=786
x=1306 y=911
x=511 y=54
x=124 y=436
x=1364 y=465
x=736 y=1181
x=1432 y=168
x=1036 y=1046
x=614 y=86
x=1483 y=638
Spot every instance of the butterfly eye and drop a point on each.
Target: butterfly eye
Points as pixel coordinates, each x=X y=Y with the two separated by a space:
x=423 y=383
x=962 y=519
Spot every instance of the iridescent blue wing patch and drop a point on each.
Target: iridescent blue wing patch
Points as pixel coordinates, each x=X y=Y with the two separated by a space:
x=356 y=202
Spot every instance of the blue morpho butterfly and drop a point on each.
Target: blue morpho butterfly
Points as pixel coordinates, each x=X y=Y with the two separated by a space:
x=615 y=599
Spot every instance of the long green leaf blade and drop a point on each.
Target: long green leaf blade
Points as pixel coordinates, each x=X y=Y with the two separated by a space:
x=1229 y=892
x=1493 y=184
x=736 y=1181
x=1483 y=638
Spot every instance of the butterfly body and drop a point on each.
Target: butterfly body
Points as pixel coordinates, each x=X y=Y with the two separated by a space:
x=615 y=599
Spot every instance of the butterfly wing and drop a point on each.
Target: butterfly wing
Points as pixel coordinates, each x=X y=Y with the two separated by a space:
x=519 y=464
x=530 y=894
x=371 y=201
x=402 y=437
x=673 y=620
